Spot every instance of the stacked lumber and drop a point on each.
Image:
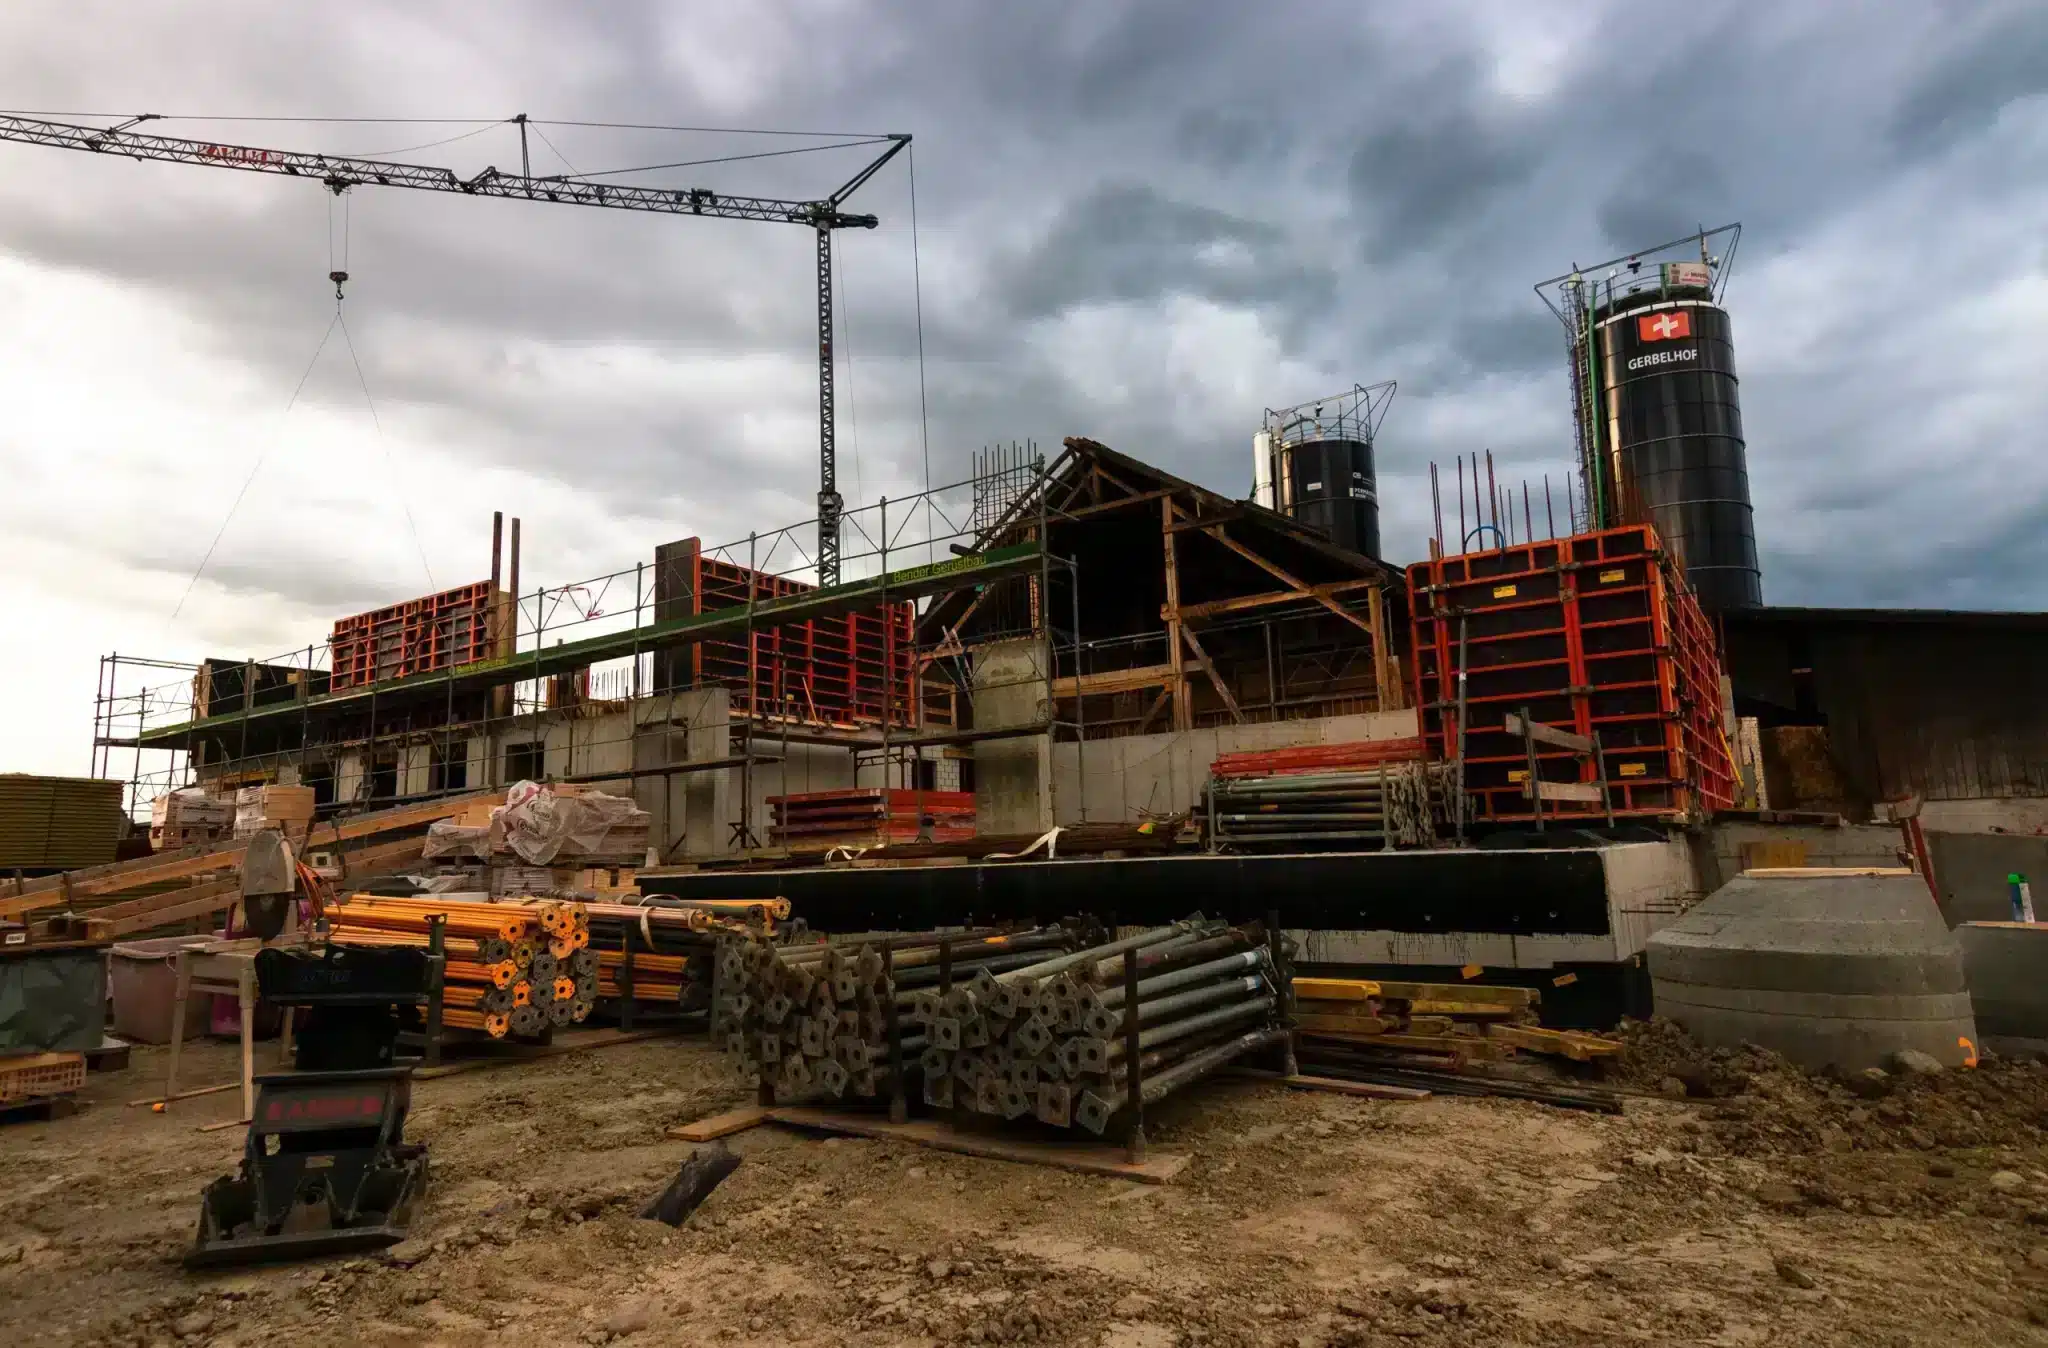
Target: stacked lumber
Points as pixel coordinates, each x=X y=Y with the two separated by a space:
x=1450 y=1024
x=867 y=816
x=512 y=967
x=193 y=884
x=187 y=816
x=51 y=823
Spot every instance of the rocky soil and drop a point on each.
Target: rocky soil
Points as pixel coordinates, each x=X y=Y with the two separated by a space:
x=1736 y=1202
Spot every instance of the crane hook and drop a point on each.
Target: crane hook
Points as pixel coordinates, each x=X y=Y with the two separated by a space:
x=338 y=277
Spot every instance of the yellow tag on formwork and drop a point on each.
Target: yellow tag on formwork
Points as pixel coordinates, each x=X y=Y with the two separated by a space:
x=1635 y=769
x=1609 y=577
x=1564 y=980
x=1503 y=592
x=1471 y=971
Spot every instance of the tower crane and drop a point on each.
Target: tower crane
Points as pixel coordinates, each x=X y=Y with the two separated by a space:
x=339 y=173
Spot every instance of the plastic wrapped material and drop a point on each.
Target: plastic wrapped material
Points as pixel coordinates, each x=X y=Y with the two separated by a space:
x=540 y=825
x=447 y=838
x=54 y=1002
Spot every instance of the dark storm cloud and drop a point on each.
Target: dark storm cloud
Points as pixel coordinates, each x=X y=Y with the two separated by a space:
x=1126 y=243
x=1667 y=193
x=2002 y=58
x=1367 y=183
x=1422 y=186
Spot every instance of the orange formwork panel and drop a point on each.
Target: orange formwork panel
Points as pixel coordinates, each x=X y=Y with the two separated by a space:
x=1594 y=634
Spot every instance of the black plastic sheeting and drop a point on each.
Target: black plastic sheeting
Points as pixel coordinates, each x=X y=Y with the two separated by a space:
x=54 y=1002
x=1561 y=893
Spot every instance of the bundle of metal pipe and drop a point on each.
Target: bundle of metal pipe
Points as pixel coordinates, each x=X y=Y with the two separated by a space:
x=1055 y=1039
x=511 y=966
x=671 y=944
x=1388 y=804
x=1005 y=1024
x=833 y=1017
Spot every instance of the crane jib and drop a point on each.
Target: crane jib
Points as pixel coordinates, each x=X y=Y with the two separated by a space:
x=338 y=174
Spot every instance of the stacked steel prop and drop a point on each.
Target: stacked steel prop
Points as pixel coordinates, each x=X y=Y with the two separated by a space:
x=1009 y=1025
x=512 y=966
x=1389 y=804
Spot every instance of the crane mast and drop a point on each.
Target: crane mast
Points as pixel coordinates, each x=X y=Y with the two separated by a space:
x=339 y=173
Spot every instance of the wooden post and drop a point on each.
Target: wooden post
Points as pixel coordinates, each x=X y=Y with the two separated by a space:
x=1178 y=689
x=1382 y=663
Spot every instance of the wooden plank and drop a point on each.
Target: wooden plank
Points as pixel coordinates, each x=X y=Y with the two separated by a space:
x=187 y=1095
x=720 y=1125
x=1335 y=989
x=1363 y=1027
x=149 y=870
x=1560 y=1043
x=1330 y=1085
x=1081 y=1158
x=1338 y=1010
x=1459 y=992
x=1582 y=792
x=1549 y=734
x=1812 y=872
x=1462 y=1010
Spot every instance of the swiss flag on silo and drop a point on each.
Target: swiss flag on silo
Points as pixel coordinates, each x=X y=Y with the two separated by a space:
x=1665 y=326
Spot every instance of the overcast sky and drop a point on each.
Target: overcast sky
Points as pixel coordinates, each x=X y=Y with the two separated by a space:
x=1140 y=222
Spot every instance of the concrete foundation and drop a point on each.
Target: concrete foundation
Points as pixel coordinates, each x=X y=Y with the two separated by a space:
x=2005 y=962
x=1828 y=970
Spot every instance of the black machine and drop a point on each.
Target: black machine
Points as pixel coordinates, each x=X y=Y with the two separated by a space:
x=326 y=1169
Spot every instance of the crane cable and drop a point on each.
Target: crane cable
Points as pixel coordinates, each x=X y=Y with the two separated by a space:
x=339 y=275
x=336 y=272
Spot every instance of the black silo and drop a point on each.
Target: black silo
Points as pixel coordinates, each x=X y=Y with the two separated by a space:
x=1673 y=437
x=1331 y=486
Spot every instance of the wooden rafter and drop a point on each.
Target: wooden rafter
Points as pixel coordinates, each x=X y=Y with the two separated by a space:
x=1282 y=575
x=1215 y=679
x=1217 y=607
x=1178 y=689
x=1119 y=680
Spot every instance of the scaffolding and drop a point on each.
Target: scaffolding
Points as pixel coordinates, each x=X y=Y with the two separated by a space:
x=566 y=681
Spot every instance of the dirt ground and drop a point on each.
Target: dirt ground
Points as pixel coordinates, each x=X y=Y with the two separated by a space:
x=1772 y=1208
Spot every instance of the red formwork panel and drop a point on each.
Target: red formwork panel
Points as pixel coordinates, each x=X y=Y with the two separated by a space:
x=850 y=669
x=1596 y=633
x=871 y=814
x=419 y=636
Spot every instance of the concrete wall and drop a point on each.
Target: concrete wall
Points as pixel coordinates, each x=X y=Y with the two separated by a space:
x=1988 y=815
x=1013 y=786
x=690 y=811
x=1970 y=871
x=1649 y=886
x=1720 y=859
x=1115 y=779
